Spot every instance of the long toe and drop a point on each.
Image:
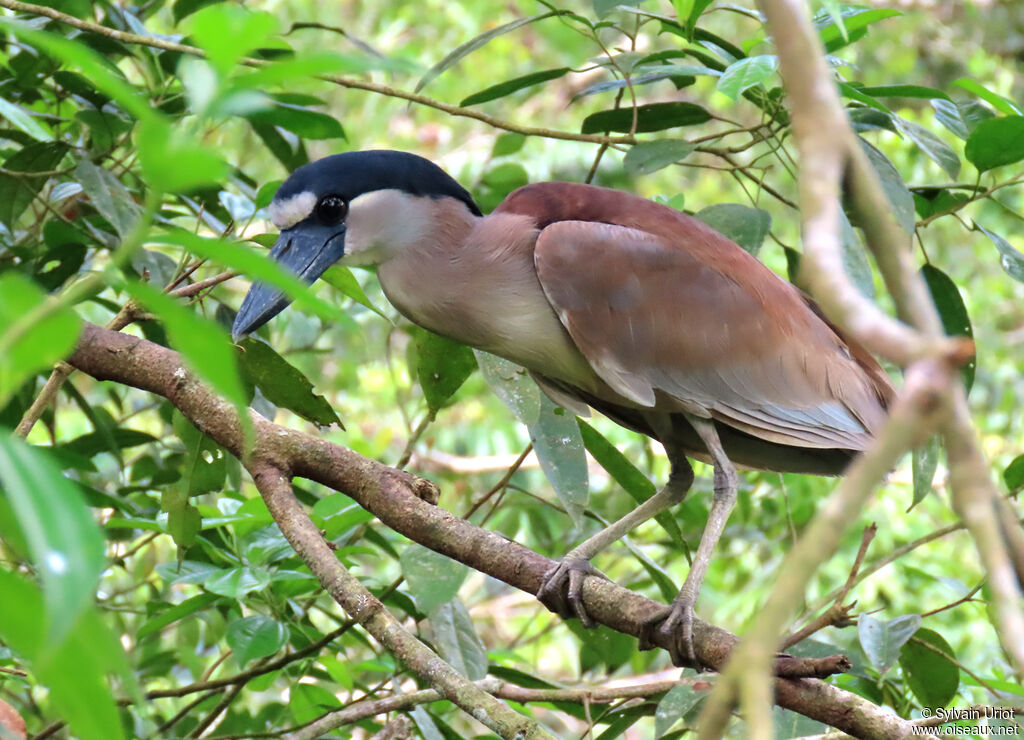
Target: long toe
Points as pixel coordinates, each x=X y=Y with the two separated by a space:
x=679 y=626
x=649 y=627
x=562 y=589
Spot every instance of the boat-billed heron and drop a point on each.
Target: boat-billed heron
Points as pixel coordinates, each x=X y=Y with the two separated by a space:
x=611 y=302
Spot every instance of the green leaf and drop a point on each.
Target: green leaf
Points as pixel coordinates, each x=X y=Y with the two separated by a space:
x=204 y=468
x=747 y=73
x=28 y=346
x=882 y=641
x=109 y=197
x=925 y=460
x=854 y=19
x=255 y=637
x=183 y=519
x=237 y=582
x=507 y=143
x=453 y=57
x=626 y=474
x=1014 y=474
x=961 y=117
x=675 y=705
x=996 y=142
x=112 y=440
x=226 y=32
x=282 y=384
x=22 y=120
x=341 y=278
x=63 y=539
x=1011 y=260
x=303 y=122
x=1003 y=105
x=179 y=611
x=932 y=677
x=651 y=117
x=456 y=639
x=18 y=192
x=514 y=85
x=855 y=258
x=905 y=91
x=651 y=156
x=939 y=151
x=559 y=447
x=173 y=161
x=308 y=702
x=442 y=366
x=952 y=311
x=900 y=199
x=433 y=578
x=203 y=343
x=512 y=384
x=746 y=226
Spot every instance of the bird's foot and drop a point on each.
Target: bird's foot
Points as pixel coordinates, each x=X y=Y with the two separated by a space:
x=562 y=589
x=676 y=622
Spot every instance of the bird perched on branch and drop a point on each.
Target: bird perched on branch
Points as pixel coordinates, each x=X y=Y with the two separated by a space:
x=612 y=302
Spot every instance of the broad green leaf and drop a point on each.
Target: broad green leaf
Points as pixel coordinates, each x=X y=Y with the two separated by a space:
x=179 y=611
x=254 y=637
x=310 y=64
x=109 y=197
x=507 y=143
x=882 y=641
x=173 y=160
x=203 y=344
x=72 y=670
x=1014 y=474
x=905 y=91
x=855 y=258
x=651 y=156
x=112 y=440
x=961 y=117
x=308 y=702
x=453 y=57
x=1011 y=259
x=226 y=32
x=441 y=367
x=512 y=384
x=996 y=142
x=282 y=384
x=651 y=117
x=341 y=278
x=675 y=705
x=559 y=447
x=746 y=226
x=237 y=582
x=688 y=11
x=855 y=20
x=952 y=311
x=514 y=85
x=900 y=199
x=204 y=468
x=28 y=346
x=66 y=545
x=22 y=120
x=626 y=474
x=747 y=73
x=433 y=578
x=939 y=151
x=303 y=122
x=856 y=93
x=932 y=677
x=456 y=639
x=18 y=192
x=602 y=647
x=266 y=193
x=924 y=462
x=1003 y=105
x=183 y=519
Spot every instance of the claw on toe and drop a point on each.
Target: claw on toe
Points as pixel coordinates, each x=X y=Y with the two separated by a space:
x=675 y=622
x=562 y=589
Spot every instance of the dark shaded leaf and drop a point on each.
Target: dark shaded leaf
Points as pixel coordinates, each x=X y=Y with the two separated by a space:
x=932 y=677
x=94 y=443
x=952 y=311
x=746 y=226
x=651 y=117
x=1011 y=259
x=442 y=366
x=18 y=191
x=905 y=91
x=996 y=142
x=282 y=384
x=303 y=122
x=924 y=462
x=939 y=151
x=291 y=155
x=674 y=706
x=510 y=86
x=179 y=611
x=900 y=199
x=457 y=641
x=650 y=156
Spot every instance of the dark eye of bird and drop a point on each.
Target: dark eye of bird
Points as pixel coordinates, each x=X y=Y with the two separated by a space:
x=331 y=209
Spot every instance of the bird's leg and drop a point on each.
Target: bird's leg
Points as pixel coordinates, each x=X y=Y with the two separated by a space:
x=677 y=620
x=562 y=588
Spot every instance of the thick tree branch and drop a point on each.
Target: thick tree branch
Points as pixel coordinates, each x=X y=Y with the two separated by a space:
x=397 y=499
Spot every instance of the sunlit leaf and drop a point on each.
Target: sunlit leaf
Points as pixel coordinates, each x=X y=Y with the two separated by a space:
x=1003 y=105
x=226 y=32
x=308 y=702
x=747 y=73
x=174 y=161
x=1014 y=474
x=22 y=120
x=512 y=384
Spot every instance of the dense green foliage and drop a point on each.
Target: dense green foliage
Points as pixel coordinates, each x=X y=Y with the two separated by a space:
x=137 y=558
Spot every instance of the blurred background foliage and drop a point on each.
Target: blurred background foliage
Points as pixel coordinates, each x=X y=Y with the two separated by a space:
x=129 y=168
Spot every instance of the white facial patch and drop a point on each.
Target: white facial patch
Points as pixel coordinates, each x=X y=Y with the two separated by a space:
x=385 y=221
x=286 y=212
